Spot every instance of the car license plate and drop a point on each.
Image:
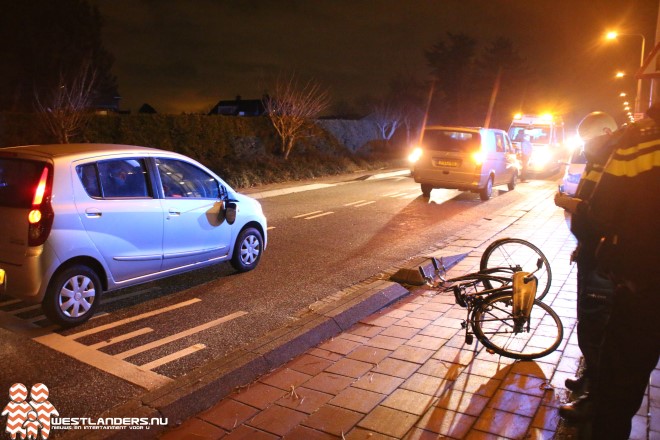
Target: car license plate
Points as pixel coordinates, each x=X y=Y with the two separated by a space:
x=445 y=163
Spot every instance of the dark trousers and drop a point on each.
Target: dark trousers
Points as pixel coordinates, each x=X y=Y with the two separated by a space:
x=594 y=300
x=630 y=352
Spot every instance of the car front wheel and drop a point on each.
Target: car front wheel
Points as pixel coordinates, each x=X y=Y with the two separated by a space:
x=72 y=296
x=248 y=249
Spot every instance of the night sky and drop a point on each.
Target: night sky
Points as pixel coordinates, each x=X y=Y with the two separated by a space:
x=184 y=56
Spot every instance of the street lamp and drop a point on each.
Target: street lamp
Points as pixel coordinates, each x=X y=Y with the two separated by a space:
x=613 y=36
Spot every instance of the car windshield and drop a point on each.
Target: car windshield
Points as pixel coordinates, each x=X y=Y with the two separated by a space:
x=18 y=181
x=451 y=140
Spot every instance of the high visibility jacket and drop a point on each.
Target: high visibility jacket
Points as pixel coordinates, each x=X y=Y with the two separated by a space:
x=625 y=207
x=597 y=152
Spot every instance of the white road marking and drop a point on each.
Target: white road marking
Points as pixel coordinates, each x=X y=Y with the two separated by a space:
x=398 y=194
x=319 y=215
x=174 y=356
x=132 y=319
x=390 y=194
x=270 y=227
x=183 y=334
x=365 y=203
x=354 y=203
x=305 y=215
x=132 y=373
x=121 y=338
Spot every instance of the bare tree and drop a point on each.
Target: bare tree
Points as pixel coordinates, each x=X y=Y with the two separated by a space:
x=292 y=109
x=64 y=113
x=387 y=118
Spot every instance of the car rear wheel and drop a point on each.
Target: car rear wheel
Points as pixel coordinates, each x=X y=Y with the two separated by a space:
x=512 y=183
x=72 y=296
x=426 y=190
x=247 y=251
x=487 y=190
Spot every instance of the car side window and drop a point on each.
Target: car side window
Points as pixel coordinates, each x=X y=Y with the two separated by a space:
x=90 y=179
x=182 y=179
x=499 y=143
x=123 y=178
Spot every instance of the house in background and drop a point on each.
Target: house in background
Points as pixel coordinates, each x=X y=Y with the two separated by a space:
x=240 y=107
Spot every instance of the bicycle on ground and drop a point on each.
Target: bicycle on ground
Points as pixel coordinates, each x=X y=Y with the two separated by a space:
x=508 y=319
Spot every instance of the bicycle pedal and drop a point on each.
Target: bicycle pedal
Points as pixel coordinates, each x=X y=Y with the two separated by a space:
x=469 y=339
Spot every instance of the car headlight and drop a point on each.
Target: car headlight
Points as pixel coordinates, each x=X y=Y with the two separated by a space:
x=541 y=157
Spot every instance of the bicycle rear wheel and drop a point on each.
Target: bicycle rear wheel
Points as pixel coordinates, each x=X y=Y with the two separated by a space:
x=494 y=325
x=508 y=255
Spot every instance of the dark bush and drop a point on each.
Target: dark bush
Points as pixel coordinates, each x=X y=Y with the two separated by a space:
x=242 y=150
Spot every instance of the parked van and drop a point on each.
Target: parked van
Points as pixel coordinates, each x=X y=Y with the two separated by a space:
x=82 y=219
x=464 y=158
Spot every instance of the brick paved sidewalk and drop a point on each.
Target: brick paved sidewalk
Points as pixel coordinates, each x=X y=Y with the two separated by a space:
x=405 y=372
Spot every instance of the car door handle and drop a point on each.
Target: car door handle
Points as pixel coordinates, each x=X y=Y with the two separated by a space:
x=174 y=212
x=93 y=213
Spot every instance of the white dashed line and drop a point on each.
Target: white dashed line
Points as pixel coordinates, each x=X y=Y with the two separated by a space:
x=319 y=215
x=354 y=203
x=305 y=215
x=365 y=203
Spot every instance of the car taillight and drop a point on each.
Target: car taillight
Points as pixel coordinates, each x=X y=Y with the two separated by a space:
x=40 y=218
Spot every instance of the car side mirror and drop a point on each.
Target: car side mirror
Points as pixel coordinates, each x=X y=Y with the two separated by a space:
x=227 y=212
x=230 y=212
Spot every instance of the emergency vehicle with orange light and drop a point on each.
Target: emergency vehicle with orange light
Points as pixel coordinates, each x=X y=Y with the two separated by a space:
x=545 y=132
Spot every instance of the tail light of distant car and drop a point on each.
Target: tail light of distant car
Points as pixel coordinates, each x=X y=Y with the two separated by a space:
x=415 y=155
x=41 y=215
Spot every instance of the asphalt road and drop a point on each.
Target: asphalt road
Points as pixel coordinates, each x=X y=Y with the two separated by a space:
x=320 y=241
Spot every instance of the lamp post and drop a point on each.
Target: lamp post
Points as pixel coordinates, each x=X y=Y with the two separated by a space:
x=638 y=97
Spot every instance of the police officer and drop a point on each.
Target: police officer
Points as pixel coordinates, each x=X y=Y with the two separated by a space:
x=593 y=290
x=624 y=208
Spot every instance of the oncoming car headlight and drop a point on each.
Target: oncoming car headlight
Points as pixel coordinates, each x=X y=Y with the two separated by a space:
x=541 y=157
x=415 y=154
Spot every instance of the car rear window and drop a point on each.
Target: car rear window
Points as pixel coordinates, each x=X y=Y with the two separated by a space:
x=19 y=179
x=451 y=140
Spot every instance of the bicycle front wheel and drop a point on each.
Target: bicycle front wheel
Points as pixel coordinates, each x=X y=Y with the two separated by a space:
x=494 y=325
x=509 y=255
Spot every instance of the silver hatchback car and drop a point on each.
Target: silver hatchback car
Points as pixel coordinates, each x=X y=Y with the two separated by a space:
x=81 y=219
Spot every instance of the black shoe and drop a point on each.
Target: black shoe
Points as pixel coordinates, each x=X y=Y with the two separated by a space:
x=579 y=410
x=576 y=385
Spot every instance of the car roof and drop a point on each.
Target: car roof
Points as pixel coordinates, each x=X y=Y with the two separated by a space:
x=75 y=151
